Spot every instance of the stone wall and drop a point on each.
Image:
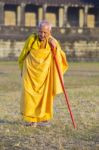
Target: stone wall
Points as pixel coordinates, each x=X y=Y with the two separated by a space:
x=10 y=50
x=82 y=50
x=15 y=13
x=82 y=46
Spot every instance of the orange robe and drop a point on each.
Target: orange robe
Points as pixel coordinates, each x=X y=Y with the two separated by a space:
x=40 y=80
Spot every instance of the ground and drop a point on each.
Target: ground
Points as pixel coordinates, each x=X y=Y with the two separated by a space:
x=82 y=86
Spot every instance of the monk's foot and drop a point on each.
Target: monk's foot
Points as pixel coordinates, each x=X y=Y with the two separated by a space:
x=44 y=124
x=33 y=124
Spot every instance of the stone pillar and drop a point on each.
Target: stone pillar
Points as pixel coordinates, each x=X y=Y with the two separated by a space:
x=97 y=18
x=18 y=15
x=44 y=11
x=40 y=14
x=1 y=13
x=81 y=17
x=61 y=17
x=65 y=22
x=22 y=14
x=85 y=15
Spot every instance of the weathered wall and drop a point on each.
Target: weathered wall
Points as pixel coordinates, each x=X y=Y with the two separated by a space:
x=82 y=50
x=82 y=46
x=11 y=49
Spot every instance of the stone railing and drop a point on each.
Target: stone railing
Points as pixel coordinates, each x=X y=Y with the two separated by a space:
x=84 y=55
x=62 y=33
x=15 y=32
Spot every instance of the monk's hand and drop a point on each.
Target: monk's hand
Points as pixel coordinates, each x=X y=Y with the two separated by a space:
x=52 y=43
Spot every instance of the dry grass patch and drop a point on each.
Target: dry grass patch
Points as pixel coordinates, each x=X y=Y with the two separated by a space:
x=82 y=83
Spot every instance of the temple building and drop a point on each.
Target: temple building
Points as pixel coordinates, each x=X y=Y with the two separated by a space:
x=61 y=13
x=18 y=18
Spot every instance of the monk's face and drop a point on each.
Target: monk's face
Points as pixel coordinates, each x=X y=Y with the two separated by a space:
x=44 y=32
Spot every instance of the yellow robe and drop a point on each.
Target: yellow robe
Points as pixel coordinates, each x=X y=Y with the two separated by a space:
x=40 y=80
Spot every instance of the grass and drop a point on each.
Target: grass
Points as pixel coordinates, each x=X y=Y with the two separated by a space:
x=82 y=86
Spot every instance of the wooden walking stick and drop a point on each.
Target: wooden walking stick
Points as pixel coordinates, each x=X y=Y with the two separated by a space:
x=63 y=87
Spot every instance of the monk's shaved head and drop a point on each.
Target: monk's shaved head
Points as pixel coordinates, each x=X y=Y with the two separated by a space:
x=46 y=24
x=44 y=30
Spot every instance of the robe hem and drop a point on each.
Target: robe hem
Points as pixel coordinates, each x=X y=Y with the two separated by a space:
x=36 y=119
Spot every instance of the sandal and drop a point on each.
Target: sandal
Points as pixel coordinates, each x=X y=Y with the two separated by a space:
x=34 y=124
x=44 y=124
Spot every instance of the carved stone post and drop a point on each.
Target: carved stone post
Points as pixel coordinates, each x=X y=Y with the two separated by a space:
x=1 y=13
x=85 y=15
x=18 y=15
x=22 y=14
x=65 y=16
x=40 y=14
x=44 y=11
x=61 y=17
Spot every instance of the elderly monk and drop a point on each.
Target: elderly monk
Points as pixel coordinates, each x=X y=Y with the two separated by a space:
x=40 y=80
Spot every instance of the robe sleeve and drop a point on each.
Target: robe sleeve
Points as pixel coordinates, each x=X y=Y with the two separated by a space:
x=62 y=58
x=63 y=66
x=26 y=50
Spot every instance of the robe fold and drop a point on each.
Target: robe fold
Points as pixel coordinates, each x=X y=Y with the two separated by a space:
x=40 y=80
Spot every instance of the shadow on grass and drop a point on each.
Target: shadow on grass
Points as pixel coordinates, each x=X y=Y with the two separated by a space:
x=10 y=122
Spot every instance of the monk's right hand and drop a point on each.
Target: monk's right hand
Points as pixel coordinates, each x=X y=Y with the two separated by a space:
x=52 y=43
